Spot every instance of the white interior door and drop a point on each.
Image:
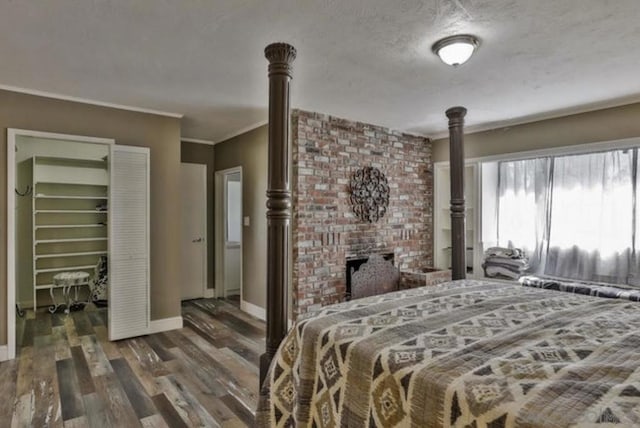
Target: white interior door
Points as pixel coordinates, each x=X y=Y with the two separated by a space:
x=233 y=234
x=194 y=230
x=128 y=242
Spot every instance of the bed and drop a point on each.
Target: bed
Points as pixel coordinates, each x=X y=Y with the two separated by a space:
x=464 y=354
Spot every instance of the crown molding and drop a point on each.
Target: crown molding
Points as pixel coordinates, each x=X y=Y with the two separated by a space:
x=541 y=117
x=197 y=141
x=88 y=101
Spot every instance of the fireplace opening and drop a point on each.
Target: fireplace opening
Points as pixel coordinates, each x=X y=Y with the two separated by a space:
x=371 y=275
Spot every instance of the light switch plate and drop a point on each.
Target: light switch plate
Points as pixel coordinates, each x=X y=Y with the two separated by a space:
x=246 y=221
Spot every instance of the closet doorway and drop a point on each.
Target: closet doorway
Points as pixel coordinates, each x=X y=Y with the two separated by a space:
x=60 y=192
x=78 y=237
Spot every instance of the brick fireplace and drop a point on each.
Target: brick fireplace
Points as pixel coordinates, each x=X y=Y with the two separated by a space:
x=326 y=233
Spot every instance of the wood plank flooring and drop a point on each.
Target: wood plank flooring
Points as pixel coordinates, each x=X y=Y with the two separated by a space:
x=67 y=373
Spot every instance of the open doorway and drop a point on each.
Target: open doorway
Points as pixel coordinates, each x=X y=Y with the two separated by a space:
x=229 y=222
x=57 y=250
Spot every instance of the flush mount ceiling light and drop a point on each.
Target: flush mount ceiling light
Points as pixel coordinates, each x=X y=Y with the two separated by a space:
x=455 y=50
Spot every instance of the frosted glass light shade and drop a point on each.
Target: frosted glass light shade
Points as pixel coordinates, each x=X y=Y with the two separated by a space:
x=455 y=50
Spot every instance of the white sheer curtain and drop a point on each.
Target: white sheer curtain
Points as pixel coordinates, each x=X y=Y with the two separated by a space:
x=591 y=228
x=523 y=202
x=575 y=216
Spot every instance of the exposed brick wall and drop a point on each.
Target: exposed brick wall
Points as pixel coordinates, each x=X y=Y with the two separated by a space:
x=422 y=279
x=326 y=151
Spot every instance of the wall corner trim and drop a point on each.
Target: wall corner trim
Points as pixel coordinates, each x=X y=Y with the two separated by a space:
x=197 y=141
x=165 y=324
x=4 y=352
x=254 y=310
x=240 y=131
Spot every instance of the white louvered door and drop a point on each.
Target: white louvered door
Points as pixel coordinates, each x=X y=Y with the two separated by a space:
x=128 y=242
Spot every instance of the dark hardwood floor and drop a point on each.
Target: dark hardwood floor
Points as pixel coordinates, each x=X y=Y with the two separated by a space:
x=67 y=374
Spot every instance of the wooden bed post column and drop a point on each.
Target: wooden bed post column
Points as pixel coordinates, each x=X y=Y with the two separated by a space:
x=280 y=56
x=456 y=167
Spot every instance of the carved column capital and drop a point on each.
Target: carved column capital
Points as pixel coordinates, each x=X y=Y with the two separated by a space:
x=456 y=115
x=280 y=57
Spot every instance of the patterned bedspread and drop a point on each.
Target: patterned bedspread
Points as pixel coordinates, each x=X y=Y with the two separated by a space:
x=590 y=289
x=464 y=354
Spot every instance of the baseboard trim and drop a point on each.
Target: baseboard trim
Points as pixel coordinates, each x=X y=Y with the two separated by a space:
x=209 y=293
x=254 y=310
x=4 y=352
x=165 y=324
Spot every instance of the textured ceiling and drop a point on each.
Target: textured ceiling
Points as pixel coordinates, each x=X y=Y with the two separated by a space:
x=367 y=60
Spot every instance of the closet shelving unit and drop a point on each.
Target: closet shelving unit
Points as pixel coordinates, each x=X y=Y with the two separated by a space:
x=442 y=218
x=70 y=196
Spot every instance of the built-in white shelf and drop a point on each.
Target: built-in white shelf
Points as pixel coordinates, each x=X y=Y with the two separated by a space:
x=72 y=161
x=66 y=183
x=69 y=226
x=79 y=254
x=64 y=269
x=89 y=198
x=70 y=212
x=61 y=241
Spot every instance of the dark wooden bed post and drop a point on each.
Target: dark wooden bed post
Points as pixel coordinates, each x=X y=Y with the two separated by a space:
x=280 y=56
x=456 y=167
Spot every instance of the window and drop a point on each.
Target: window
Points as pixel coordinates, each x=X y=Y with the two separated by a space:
x=574 y=216
x=234 y=208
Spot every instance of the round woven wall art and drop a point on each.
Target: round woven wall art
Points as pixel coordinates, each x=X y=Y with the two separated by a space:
x=369 y=194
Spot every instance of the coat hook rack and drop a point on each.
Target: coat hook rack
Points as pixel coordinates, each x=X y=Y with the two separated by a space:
x=26 y=192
